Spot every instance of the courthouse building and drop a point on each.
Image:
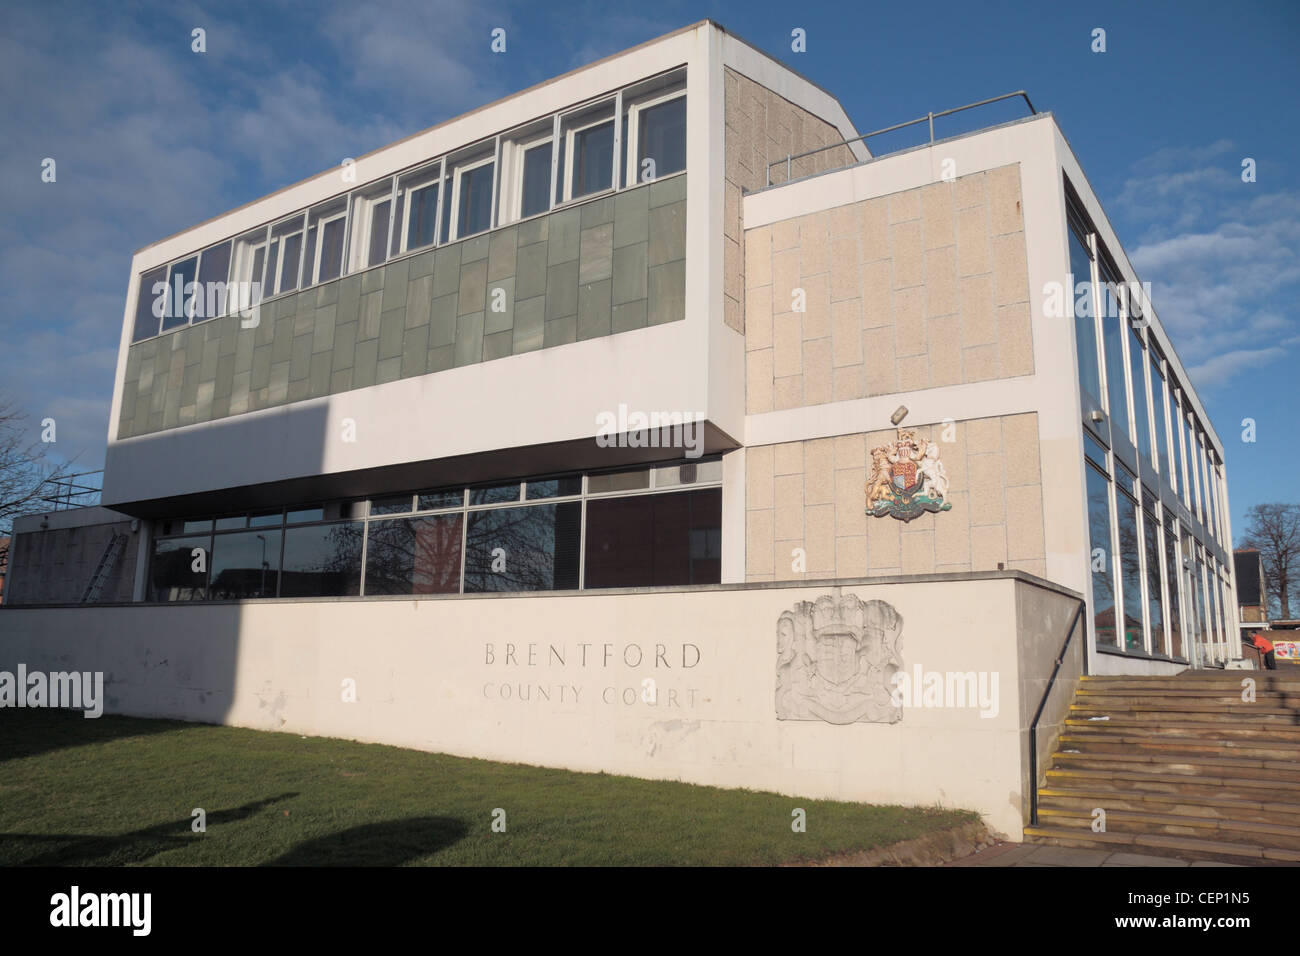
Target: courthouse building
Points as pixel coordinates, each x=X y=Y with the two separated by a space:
x=655 y=358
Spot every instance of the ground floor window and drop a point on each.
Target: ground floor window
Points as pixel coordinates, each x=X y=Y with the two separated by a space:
x=658 y=525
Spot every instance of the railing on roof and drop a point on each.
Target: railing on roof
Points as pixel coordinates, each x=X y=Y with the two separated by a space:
x=928 y=117
x=73 y=491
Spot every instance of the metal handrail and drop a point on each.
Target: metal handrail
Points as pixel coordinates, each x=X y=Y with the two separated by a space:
x=1033 y=727
x=928 y=117
x=67 y=492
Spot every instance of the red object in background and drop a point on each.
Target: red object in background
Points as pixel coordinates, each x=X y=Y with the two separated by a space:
x=1262 y=643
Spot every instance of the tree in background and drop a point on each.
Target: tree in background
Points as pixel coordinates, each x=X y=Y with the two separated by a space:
x=25 y=473
x=1274 y=530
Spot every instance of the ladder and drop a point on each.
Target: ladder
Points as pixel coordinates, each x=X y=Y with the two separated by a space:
x=107 y=562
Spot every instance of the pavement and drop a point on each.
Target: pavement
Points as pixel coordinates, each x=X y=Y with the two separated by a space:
x=1028 y=854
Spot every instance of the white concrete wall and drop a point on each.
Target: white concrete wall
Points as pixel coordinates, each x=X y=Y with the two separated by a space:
x=551 y=395
x=424 y=680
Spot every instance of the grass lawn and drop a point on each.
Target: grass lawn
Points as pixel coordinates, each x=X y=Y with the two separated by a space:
x=119 y=790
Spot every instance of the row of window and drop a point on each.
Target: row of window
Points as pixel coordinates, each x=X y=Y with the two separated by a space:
x=571 y=155
x=658 y=526
x=1122 y=371
x=1156 y=590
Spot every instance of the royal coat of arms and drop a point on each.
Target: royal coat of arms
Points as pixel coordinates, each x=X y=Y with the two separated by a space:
x=907 y=478
x=835 y=660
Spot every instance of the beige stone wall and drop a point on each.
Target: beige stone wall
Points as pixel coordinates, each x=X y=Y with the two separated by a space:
x=763 y=128
x=812 y=495
x=919 y=289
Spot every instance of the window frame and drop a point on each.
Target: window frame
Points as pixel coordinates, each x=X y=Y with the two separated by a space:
x=458 y=173
x=633 y=145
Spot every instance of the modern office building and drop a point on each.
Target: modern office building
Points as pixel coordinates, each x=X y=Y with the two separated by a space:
x=663 y=322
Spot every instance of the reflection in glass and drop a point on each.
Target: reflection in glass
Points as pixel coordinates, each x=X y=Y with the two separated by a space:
x=171 y=572
x=1159 y=414
x=414 y=555
x=1137 y=365
x=554 y=487
x=1130 y=562
x=1155 y=607
x=245 y=565
x=1112 y=334
x=662 y=137
x=448 y=498
x=1101 y=560
x=494 y=494
x=655 y=540
x=323 y=560
x=533 y=548
x=1173 y=568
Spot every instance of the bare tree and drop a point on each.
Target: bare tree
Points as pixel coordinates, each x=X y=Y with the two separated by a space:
x=1274 y=529
x=25 y=472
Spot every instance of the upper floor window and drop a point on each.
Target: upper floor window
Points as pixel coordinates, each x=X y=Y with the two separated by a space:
x=655 y=128
x=526 y=161
x=417 y=207
x=326 y=226
x=623 y=139
x=588 y=150
x=371 y=219
x=471 y=192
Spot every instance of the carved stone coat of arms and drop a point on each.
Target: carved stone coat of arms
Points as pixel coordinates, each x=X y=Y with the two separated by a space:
x=835 y=660
x=907 y=478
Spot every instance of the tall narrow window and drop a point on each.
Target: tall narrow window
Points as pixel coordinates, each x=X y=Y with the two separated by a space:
x=1101 y=559
x=1141 y=417
x=326 y=226
x=1176 y=439
x=418 y=195
x=471 y=192
x=148 y=308
x=1159 y=636
x=1085 y=323
x=526 y=172
x=286 y=242
x=180 y=293
x=250 y=262
x=654 y=128
x=588 y=150
x=371 y=218
x=1173 y=574
x=1160 y=415
x=214 y=272
x=1113 y=336
x=1130 y=562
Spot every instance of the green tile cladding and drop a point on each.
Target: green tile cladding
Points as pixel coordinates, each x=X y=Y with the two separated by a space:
x=603 y=267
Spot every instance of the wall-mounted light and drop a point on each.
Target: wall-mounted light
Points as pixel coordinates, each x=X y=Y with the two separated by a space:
x=899 y=414
x=1096 y=416
x=45 y=522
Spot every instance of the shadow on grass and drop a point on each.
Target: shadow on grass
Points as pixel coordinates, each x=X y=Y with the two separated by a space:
x=122 y=849
x=28 y=732
x=390 y=843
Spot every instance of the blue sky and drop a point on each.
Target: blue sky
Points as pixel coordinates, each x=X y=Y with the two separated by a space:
x=150 y=138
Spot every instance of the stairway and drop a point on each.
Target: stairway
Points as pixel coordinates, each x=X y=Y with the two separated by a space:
x=1182 y=767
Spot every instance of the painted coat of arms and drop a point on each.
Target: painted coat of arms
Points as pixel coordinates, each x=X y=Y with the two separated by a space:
x=835 y=660
x=907 y=478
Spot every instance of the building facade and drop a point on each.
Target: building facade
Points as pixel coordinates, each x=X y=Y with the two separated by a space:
x=665 y=322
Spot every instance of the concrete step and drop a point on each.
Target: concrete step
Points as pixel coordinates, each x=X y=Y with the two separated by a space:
x=1175 y=727
x=1242 y=832
x=1241 y=713
x=1094 y=741
x=1148 y=781
x=1087 y=798
x=1233 y=768
x=1163 y=845
x=1198 y=679
x=1182 y=703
